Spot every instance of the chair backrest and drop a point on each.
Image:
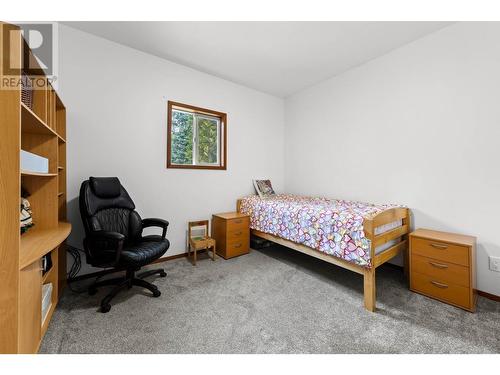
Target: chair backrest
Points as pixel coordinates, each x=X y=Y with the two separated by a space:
x=106 y=205
x=197 y=229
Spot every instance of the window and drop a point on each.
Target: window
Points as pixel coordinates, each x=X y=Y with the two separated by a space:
x=196 y=137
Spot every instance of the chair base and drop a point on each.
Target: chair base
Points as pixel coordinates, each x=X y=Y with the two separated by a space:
x=126 y=282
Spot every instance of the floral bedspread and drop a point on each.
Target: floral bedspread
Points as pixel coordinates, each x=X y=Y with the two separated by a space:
x=332 y=226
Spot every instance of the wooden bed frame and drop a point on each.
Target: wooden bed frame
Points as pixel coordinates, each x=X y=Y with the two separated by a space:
x=385 y=217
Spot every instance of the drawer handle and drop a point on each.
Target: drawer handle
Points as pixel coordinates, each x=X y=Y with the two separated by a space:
x=237 y=221
x=438 y=246
x=237 y=246
x=237 y=233
x=439 y=285
x=438 y=265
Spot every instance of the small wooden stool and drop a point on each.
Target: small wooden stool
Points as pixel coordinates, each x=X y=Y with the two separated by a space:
x=199 y=241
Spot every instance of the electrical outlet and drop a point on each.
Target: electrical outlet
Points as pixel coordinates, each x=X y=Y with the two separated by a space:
x=495 y=264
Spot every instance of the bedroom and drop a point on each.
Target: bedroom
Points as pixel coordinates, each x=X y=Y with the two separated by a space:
x=400 y=116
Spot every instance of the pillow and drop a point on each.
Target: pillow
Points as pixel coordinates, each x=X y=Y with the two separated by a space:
x=263 y=188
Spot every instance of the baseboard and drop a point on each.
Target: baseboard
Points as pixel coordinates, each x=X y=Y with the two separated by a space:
x=112 y=270
x=172 y=257
x=493 y=297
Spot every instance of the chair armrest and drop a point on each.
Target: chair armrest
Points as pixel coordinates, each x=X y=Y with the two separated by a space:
x=117 y=239
x=153 y=222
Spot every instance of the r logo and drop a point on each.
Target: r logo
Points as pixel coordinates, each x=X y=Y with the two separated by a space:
x=39 y=38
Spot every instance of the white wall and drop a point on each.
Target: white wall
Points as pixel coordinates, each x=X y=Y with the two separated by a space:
x=116 y=114
x=428 y=111
x=419 y=126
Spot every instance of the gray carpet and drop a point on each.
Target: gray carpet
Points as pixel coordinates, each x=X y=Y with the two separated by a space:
x=270 y=301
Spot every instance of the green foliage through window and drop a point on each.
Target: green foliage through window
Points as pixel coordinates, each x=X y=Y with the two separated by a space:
x=195 y=139
x=182 y=137
x=207 y=140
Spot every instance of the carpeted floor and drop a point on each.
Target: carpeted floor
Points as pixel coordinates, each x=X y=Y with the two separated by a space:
x=270 y=301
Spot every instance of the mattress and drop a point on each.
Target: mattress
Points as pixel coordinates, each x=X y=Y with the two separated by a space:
x=331 y=226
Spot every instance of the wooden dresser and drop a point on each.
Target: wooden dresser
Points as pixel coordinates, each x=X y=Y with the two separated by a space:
x=442 y=266
x=231 y=232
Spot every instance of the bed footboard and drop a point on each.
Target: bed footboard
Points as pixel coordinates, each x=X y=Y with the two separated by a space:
x=386 y=217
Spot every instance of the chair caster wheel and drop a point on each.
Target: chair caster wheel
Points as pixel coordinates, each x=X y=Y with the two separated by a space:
x=105 y=308
x=92 y=291
x=156 y=293
x=163 y=274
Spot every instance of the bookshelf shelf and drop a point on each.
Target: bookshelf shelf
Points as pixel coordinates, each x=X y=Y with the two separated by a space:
x=37 y=242
x=32 y=124
x=37 y=174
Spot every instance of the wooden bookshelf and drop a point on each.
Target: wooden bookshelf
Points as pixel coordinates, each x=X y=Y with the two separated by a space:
x=40 y=129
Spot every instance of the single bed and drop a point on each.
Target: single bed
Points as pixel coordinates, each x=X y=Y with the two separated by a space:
x=354 y=235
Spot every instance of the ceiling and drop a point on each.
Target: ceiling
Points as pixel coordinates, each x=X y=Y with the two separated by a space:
x=279 y=58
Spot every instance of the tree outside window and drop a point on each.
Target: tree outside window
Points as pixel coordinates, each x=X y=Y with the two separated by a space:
x=196 y=137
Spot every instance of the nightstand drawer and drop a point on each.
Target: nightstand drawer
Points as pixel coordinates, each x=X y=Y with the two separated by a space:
x=451 y=293
x=237 y=247
x=235 y=225
x=440 y=250
x=440 y=270
x=236 y=234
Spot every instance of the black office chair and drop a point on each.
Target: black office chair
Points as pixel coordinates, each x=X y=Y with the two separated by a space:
x=114 y=237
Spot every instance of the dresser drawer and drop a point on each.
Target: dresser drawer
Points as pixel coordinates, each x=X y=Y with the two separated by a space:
x=451 y=293
x=235 y=225
x=440 y=251
x=440 y=270
x=236 y=234
x=237 y=247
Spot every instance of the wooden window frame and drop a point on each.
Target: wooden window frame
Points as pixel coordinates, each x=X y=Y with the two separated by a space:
x=203 y=111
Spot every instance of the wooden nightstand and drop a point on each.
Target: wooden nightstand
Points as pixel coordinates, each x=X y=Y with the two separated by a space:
x=443 y=266
x=231 y=231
